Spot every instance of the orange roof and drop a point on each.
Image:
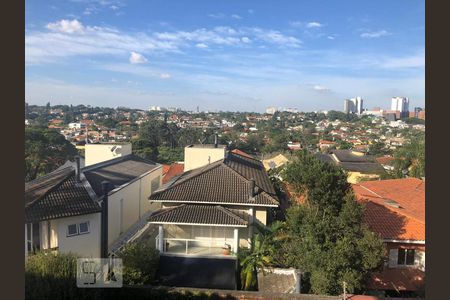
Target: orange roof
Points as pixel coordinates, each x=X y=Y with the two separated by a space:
x=165 y=169
x=174 y=170
x=242 y=153
x=395 y=208
x=403 y=279
x=326 y=142
x=385 y=160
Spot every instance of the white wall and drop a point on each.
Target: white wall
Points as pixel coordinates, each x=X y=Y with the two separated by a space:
x=84 y=245
x=95 y=153
x=135 y=204
x=198 y=156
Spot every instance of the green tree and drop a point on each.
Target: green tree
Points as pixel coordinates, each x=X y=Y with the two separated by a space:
x=258 y=258
x=140 y=262
x=45 y=150
x=326 y=236
x=410 y=159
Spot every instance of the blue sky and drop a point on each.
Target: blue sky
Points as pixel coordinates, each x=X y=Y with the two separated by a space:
x=224 y=55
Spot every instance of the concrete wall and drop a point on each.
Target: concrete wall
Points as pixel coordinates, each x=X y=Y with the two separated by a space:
x=198 y=156
x=84 y=245
x=134 y=197
x=95 y=153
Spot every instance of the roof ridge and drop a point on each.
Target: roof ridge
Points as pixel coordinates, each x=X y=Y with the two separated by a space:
x=230 y=213
x=203 y=170
x=114 y=160
x=249 y=156
x=48 y=175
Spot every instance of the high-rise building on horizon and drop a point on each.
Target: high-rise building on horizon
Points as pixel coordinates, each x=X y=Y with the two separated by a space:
x=354 y=105
x=400 y=104
x=271 y=110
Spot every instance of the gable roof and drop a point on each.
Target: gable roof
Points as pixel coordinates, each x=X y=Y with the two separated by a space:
x=117 y=171
x=58 y=195
x=223 y=182
x=395 y=208
x=213 y=215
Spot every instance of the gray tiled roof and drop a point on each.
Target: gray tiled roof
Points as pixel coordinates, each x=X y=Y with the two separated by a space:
x=57 y=195
x=351 y=162
x=222 y=182
x=117 y=171
x=197 y=214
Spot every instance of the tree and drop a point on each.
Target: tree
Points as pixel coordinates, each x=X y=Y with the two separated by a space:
x=258 y=258
x=45 y=150
x=410 y=159
x=326 y=236
x=376 y=149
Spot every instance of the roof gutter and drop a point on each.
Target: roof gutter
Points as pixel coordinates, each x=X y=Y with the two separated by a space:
x=421 y=242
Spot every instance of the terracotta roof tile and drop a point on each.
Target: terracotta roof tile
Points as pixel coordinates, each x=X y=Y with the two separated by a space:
x=395 y=208
x=173 y=170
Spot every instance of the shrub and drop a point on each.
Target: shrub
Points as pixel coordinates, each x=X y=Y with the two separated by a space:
x=140 y=262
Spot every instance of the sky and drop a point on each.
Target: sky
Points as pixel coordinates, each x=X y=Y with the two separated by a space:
x=225 y=55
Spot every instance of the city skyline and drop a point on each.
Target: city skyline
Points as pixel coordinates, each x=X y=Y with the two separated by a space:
x=240 y=57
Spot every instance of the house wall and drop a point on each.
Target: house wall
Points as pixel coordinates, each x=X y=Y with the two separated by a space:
x=135 y=204
x=195 y=157
x=95 y=153
x=203 y=234
x=392 y=253
x=84 y=245
x=356 y=177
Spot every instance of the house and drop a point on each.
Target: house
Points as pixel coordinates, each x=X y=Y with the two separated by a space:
x=65 y=209
x=358 y=165
x=324 y=145
x=275 y=162
x=213 y=206
x=395 y=210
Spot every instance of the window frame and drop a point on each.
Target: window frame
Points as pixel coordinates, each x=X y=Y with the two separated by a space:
x=76 y=229
x=88 y=228
x=404 y=257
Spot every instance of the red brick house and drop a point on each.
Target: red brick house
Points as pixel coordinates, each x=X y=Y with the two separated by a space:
x=395 y=209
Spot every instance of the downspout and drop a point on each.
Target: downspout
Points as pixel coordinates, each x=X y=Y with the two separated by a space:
x=104 y=221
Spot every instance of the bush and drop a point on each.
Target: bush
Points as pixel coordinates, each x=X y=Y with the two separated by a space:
x=140 y=262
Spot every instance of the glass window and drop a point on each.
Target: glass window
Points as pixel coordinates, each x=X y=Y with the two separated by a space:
x=72 y=229
x=410 y=253
x=84 y=227
x=406 y=256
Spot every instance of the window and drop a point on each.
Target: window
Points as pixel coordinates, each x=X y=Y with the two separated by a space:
x=77 y=229
x=406 y=257
x=84 y=227
x=72 y=230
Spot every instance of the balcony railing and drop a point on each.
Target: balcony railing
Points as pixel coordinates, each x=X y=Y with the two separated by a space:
x=193 y=246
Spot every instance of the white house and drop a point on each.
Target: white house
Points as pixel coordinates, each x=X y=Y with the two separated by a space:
x=64 y=209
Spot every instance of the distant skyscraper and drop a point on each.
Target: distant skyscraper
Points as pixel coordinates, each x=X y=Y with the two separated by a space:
x=401 y=104
x=354 y=105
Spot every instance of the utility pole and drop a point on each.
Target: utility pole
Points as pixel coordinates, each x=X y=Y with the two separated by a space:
x=345 y=290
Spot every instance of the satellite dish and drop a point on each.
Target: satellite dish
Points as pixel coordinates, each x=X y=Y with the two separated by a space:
x=116 y=150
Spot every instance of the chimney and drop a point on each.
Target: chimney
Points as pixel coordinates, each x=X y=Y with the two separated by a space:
x=104 y=221
x=216 y=144
x=77 y=168
x=252 y=188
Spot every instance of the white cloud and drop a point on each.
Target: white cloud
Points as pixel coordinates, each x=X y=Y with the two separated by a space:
x=217 y=16
x=330 y=37
x=314 y=25
x=320 y=88
x=165 y=76
x=114 y=7
x=136 y=58
x=374 y=34
x=66 y=26
x=237 y=17
x=201 y=45
x=245 y=40
x=276 y=37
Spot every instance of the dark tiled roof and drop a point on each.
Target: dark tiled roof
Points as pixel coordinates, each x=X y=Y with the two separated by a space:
x=57 y=195
x=198 y=214
x=363 y=167
x=222 y=182
x=117 y=171
x=352 y=163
